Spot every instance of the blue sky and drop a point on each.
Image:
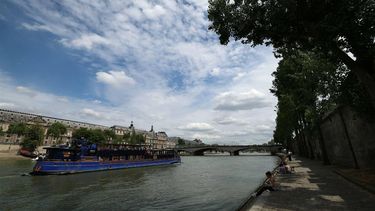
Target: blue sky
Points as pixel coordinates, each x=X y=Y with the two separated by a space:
x=151 y=62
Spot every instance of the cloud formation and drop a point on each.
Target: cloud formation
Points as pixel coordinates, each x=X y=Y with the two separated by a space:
x=91 y=112
x=159 y=66
x=116 y=79
x=26 y=91
x=86 y=41
x=197 y=126
x=232 y=101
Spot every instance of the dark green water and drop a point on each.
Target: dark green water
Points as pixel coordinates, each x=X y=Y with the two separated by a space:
x=199 y=183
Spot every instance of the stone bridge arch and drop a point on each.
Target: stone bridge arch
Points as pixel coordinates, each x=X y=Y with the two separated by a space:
x=197 y=151
x=232 y=149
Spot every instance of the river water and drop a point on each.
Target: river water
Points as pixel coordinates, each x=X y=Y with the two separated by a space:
x=198 y=183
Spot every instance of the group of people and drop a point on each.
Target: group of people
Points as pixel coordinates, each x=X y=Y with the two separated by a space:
x=283 y=168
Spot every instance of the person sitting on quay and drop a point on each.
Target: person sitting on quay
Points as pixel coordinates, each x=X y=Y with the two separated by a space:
x=270 y=184
x=284 y=168
x=289 y=155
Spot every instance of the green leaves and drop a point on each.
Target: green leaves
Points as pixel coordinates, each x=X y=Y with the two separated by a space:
x=96 y=136
x=332 y=28
x=133 y=138
x=180 y=142
x=56 y=130
x=33 y=137
x=307 y=24
x=306 y=85
x=19 y=129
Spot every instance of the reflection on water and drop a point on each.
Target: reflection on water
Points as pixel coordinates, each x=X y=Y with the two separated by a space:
x=204 y=183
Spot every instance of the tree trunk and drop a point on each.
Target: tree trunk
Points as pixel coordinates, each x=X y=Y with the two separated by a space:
x=323 y=145
x=307 y=138
x=300 y=144
x=302 y=141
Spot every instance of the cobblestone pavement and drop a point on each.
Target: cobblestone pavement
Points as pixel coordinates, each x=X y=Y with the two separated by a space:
x=314 y=186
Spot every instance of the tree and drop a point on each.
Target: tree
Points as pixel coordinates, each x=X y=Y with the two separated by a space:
x=19 y=129
x=81 y=133
x=1 y=131
x=92 y=135
x=127 y=137
x=118 y=139
x=333 y=28
x=136 y=139
x=109 y=135
x=56 y=130
x=33 y=137
x=97 y=136
x=180 y=142
x=306 y=86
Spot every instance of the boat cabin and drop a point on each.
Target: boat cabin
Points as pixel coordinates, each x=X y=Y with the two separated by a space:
x=61 y=154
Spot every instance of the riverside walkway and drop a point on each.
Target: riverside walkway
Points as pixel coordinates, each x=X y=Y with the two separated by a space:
x=313 y=186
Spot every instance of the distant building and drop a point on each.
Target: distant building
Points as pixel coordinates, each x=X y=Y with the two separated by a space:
x=198 y=141
x=8 y=117
x=176 y=140
x=157 y=140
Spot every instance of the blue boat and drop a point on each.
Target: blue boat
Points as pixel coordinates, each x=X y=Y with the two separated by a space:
x=91 y=157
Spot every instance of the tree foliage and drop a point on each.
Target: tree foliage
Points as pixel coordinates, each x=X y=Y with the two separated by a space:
x=307 y=87
x=56 y=130
x=19 y=129
x=96 y=136
x=332 y=28
x=134 y=138
x=180 y=142
x=109 y=134
x=33 y=137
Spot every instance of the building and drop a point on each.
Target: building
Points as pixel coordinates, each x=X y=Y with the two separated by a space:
x=8 y=117
x=157 y=140
x=182 y=142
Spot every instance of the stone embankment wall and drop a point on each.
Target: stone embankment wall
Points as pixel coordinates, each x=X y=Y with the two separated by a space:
x=348 y=138
x=12 y=148
x=6 y=148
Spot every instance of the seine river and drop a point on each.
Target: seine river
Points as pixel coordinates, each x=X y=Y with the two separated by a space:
x=198 y=183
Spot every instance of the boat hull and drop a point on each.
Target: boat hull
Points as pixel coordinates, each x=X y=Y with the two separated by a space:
x=71 y=167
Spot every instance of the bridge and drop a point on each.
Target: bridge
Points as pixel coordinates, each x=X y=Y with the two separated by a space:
x=234 y=150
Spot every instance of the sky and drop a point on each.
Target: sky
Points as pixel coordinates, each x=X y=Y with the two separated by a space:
x=151 y=62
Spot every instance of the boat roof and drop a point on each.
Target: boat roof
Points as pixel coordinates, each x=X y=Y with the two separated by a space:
x=129 y=145
x=60 y=148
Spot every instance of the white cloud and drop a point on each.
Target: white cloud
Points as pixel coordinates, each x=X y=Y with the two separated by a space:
x=173 y=69
x=197 y=126
x=239 y=76
x=205 y=136
x=241 y=101
x=87 y=41
x=230 y=121
x=26 y=91
x=116 y=79
x=215 y=71
x=36 y=27
x=154 y=12
x=91 y=112
x=6 y=105
x=63 y=99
